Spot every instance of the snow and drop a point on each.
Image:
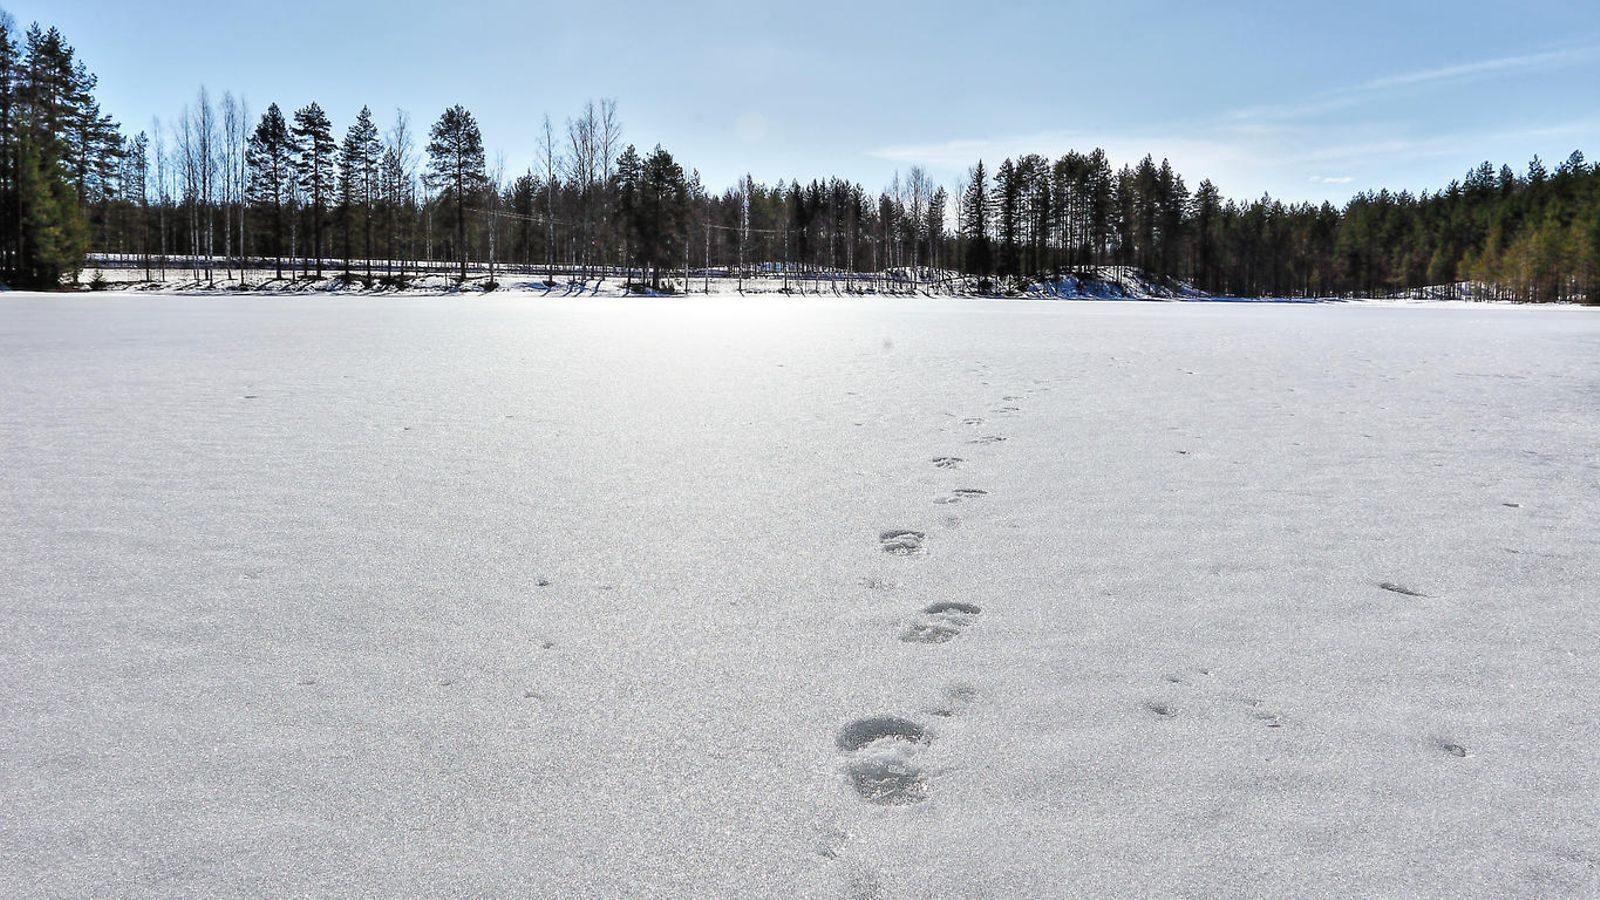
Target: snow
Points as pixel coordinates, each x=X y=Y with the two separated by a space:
x=515 y=595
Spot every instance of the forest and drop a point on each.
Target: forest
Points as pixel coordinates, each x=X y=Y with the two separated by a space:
x=284 y=195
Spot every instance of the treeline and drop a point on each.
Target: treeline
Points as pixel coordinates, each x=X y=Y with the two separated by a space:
x=59 y=156
x=286 y=195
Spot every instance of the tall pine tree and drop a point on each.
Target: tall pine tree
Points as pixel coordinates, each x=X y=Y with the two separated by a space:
x=456 y=169
x=272 y=173
x=314 y=148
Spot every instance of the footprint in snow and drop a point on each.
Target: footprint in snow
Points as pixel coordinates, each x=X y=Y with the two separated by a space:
x=1161 y=709
x=1186 y=678
x=960 y=494
x=940 y=622
x=902 y=542
x=1209 y=697
x=958 y=696
x=947 y=462
x=1400 y=589
x=881 y=764
x=972 y=421
x=988 y=439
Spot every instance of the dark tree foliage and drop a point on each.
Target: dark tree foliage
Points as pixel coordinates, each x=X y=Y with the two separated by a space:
x=654 y=204
x=975 y=221
x=59 y=158
x=272 y=174
x=313 y=163
x=456 y=169
x=360 y=157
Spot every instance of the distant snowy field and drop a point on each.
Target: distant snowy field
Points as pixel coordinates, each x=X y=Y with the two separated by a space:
x=549 y=597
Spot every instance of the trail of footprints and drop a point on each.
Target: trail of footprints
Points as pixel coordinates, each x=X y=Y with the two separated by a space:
x=881 y=751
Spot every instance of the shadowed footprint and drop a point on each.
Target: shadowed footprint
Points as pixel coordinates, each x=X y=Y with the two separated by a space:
x=960 y=494
x=882 y=767
x=1400 y=589
x=902 y=542
x=940 y=622
x=947 y=462
x=1161 y=708
x=988 y=439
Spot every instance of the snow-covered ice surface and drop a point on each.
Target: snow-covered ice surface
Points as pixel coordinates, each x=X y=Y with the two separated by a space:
x=609 y=597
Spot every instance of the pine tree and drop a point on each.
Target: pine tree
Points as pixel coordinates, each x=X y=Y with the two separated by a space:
x=456 y=168
x=272 y=172
x=314 y=149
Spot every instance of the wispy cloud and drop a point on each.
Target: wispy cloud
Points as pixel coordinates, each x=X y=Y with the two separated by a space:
x=1353 y=95
x=1468 y=70
x=1292 y=148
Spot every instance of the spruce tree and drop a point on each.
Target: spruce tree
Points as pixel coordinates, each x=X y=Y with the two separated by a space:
x=1008 y=214
x=54 y=235
x=359 y=158
x=975 y=222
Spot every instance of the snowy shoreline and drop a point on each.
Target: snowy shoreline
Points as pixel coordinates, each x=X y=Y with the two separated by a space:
x=446 y=287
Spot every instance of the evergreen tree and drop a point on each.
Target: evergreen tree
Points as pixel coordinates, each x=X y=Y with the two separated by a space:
x=10 y=211
x=1207 y=228
x=1008 y=215
x=655 y=201
x=54 y=235
x=272 y=173
x=975 y=221
x=43 y=97
x=360 y=156
x=456 y=169
x=314 y=149
x=934 y=225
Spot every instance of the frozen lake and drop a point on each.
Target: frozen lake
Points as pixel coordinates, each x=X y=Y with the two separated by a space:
x=601 y=597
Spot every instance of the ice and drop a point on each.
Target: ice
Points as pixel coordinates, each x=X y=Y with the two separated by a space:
x=537 y=596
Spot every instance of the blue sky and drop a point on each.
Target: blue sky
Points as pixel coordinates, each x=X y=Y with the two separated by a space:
x=1307 y=101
